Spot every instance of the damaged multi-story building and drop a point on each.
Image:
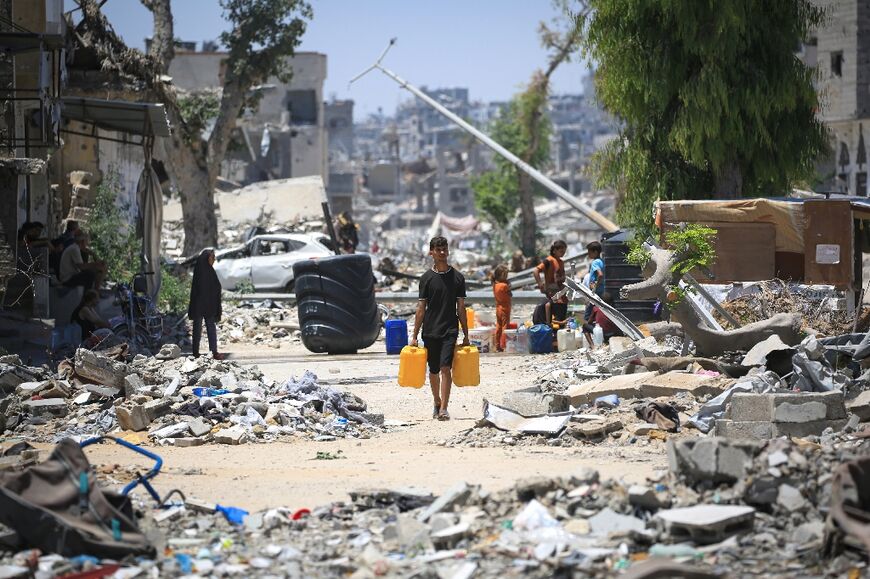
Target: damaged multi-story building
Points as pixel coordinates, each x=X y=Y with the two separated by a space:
x=840 y=52
x=285 y=135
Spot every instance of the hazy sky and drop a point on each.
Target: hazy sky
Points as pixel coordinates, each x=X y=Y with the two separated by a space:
x=489 y=46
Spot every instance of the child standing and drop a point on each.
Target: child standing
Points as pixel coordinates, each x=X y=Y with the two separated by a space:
x=441 y=306
x=552 y=267
x=501 y=289
x=596 y=275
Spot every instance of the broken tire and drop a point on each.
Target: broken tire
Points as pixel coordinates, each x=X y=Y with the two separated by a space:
x=336 y=303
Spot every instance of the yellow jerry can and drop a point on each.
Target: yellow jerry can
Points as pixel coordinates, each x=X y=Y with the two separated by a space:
x=412 y=367
x=466 y=366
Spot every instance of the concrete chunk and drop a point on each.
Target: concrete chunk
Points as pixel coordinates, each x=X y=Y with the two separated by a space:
x=157 y=408
x=533 y=403
x=710 y=459
x=100 y=369
x=456 y=495
x=104 y=391
x=47 y=407
x=231 y=436
x=787 y=407
x=609 y=521
x=132 y=417
x=199 y=427
x=860 y=406
x=171 y=431
x=707 y=524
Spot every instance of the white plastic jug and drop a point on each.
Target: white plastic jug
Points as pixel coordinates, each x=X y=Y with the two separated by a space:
x=566 y=341
x=598 y=336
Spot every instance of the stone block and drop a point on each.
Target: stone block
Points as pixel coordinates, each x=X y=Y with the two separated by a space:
x=132 y=417
x=808 y=406
x=132 y=384
x=231 y=436
x=199 y=427
x=749 y=407
x=47 y=407
x=171 y=431
x=103 y=391
x=747 y=430
x=157 y=408
x=766 y=430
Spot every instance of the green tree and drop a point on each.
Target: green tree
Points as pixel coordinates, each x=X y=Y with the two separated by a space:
x=112 y=238
x=714 y=101
x=263 y=35
x=526 y=129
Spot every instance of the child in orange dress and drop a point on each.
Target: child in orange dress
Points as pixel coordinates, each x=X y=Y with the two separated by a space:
x=501 y=288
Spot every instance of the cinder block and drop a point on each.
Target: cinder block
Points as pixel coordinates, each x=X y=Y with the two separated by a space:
x=752 y=430
x=808 y=406
x=749 y=407
x=132 y=417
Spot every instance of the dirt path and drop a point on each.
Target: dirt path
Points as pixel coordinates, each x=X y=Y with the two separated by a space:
x=256 y=476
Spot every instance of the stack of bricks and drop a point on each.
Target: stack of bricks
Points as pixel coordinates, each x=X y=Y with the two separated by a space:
x=765 y=416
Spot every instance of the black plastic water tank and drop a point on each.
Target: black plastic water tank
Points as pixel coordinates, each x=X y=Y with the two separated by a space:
x=618 y=273
x=336 y=302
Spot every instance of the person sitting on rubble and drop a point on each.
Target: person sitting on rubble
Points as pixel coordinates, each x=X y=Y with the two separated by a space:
x=205 y=303
x=599 y=318
x=74 y=271
x=551 y=311
x=348 y=232
x=86 y=315
x=552 y=268
x=440 y=309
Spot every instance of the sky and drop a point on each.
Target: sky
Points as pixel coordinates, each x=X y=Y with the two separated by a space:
x=489 y=46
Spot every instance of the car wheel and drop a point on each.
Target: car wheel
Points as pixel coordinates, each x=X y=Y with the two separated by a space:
x=290 y=286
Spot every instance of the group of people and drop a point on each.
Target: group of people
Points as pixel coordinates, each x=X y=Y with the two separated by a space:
x=550 y=277
x=69 y=256
x=441 y=309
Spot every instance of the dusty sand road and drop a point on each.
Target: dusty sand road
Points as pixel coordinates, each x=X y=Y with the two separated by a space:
x=256 y=476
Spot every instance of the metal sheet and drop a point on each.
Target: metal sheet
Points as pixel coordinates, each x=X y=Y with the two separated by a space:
x=148 y=119
x=615 y=316
x=505 y=419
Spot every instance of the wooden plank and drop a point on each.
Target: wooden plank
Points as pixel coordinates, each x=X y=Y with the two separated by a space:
x=829 y=243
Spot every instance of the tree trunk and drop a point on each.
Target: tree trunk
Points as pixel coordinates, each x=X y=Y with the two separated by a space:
x=729 y=182
x=527 y=213
x=163 y=39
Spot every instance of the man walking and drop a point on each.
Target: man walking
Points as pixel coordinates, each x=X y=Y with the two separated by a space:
x=440 y=308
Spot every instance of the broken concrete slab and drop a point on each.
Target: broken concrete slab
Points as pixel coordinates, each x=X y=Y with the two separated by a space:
x=103 y=391
x=505 y=419
x=757 y=355
x=47 y=407
x=596 y=429
x=199 y=427
x=706 y=524
x=99 y=369
x=711 y=459
x=860 y=406
x=532 y=402
x=456 y=495
x=647 y=385
x=790 y=498
x=154 y=409
x=132 y=384
x=172 y=430
x=449 y=537
x=408 y=532
x=609 y=521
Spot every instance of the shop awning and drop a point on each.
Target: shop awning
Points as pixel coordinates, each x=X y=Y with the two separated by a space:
x=146 y=119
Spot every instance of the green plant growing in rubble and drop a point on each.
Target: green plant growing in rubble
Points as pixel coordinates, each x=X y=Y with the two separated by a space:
x=113 y=239
x=174 y=292
x=691 y=243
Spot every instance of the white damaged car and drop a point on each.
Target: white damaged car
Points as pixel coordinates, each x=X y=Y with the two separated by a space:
x=266 y=261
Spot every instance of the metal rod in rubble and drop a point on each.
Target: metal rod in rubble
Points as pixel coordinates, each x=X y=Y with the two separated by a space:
x=561 y=193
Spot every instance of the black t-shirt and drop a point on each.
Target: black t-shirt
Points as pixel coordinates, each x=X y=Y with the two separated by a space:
x=558 y=312
x=441 y=290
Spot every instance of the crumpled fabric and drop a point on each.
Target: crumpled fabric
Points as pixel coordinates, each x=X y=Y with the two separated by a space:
x=663 y=415
x=306 y=389
x=812 y=371
x=714 y=409
x=196 y=409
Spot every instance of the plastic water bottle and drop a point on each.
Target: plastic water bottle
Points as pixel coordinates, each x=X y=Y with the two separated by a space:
x=572 y=323
x=598 y=336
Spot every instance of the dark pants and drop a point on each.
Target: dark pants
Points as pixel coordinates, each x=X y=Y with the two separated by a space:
x=210 y=330
x=85 y=279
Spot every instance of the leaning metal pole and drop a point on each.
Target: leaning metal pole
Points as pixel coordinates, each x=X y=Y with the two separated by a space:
x=561 y=193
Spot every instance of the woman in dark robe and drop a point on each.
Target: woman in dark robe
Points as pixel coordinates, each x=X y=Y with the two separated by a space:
x=205 y=302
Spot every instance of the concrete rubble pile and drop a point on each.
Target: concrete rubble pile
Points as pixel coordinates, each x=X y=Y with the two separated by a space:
x=646 y=392
x=727 y=509
x=269 y=323
x=174 y=400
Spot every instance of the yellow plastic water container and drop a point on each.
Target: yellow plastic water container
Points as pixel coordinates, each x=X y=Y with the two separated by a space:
x=412 y=367
x=469 y=317
x=466 y=366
